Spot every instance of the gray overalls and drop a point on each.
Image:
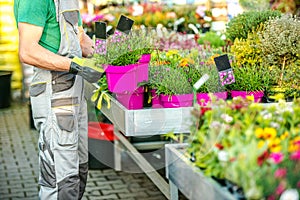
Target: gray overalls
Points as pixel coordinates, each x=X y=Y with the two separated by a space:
x=60 y=115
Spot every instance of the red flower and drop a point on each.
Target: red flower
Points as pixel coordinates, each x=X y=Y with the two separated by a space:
x=280 y=189
x=219 y=146
x=280 y=173
x=261 y=159
x=295 y=155
x=272 y=197
x=204 y=109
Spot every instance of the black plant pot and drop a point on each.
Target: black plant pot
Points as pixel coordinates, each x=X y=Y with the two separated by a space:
x=5 y=88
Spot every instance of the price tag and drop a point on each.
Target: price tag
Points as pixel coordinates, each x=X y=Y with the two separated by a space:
x=225 y=71
x=125 y=24
x=100 y=34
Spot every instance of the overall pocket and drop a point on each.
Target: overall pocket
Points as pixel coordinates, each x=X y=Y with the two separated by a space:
x=65 y=122
x=62 y=81
x=40 y=103
x=65 y=109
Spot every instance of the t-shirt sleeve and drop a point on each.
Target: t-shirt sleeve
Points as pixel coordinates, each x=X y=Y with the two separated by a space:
x=33 y=12
x=79 y=20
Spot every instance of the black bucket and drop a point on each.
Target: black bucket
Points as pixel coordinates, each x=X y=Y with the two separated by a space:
x=5 y=88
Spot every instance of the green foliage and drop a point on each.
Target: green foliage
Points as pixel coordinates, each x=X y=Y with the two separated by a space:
x=280 y=45
x=255 y=4
x=211 y=38
x=242 y=24
x=247 y=51
x=250 y=78
x=213 y=84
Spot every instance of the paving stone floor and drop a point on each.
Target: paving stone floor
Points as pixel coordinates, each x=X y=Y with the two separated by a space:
x=19 y=166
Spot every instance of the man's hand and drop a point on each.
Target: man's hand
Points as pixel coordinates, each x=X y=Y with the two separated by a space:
x=86 y=44
x=86 y=68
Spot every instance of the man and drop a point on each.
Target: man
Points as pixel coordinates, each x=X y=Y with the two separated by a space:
x=51 y=39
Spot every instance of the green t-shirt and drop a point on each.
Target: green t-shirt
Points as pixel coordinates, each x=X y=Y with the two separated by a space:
x=40 y=13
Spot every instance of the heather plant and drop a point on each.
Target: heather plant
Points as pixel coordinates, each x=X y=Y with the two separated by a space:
x=169 y=81
x=173 y=71
x=249 y=21
x=123 y=49
x=280 y=45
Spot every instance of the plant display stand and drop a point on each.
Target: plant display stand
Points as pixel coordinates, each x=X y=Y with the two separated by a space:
x=143 y=122
x=189 y=179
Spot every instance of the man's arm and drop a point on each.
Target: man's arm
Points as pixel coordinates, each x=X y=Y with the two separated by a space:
x=86 y=43
x=32 y=53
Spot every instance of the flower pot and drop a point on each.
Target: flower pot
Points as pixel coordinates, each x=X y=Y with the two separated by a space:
x=126 y=78
x=204 y=98
x=258 y=95
x=132 y=100
x=176 y=101
x=145 y=58
x=155 y=99
x=5 y=88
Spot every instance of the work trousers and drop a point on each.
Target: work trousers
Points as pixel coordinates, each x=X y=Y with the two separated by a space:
x=60 y=115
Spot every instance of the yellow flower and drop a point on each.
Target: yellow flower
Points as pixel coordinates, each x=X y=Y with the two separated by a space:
x=294 y=145
x=275 y=149
x=259 y=132
x=172 y=52
x=284 y=135
x=269 y=133
x=274 y=145
x=260 y=144
x=250 y=97
x=185 y=61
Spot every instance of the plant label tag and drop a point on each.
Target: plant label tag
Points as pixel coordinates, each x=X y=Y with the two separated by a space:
x=100 y=30
x=100 y=41
x=225 y=71
x=201 y=81
x=125 y=24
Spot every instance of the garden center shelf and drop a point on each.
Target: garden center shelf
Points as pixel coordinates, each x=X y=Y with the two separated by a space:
x=147 y=121
x=183 y=176
x=142 y=122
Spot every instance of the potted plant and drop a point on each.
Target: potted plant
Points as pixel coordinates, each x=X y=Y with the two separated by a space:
x=213 y=86
x=171 y=76
x=121 y=60
x=249 y=148
x=250 y=80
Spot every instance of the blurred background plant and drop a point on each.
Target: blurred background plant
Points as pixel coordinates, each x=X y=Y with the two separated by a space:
x=249 y=21
x=280 y=45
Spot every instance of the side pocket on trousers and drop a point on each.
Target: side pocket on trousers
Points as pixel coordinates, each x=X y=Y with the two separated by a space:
x=67 y=135
x=37 y=89
x=47 y=174
x=40 y=103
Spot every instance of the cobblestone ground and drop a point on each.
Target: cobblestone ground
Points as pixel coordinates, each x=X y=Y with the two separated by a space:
x=19 y=172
